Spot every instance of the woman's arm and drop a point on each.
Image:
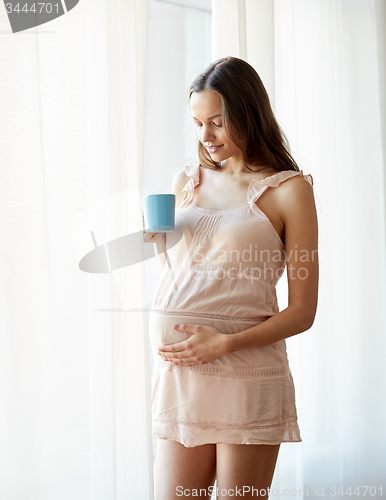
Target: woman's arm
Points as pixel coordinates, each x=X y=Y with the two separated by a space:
x=297 y=209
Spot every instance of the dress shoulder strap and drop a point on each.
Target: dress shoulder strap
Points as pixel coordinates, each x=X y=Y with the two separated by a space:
x=257 y=188
x=192 y=170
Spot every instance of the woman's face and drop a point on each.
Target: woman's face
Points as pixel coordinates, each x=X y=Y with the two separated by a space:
x=207 y=114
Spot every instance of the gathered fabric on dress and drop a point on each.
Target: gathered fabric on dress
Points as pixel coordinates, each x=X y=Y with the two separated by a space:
x=224 y=268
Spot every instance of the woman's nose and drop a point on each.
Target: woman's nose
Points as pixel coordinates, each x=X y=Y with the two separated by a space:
x=206 y=135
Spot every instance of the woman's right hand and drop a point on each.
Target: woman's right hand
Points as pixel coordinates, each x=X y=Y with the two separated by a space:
x=160 y=241
x=148 y=237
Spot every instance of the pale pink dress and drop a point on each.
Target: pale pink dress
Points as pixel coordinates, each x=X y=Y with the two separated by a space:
x=246 y=396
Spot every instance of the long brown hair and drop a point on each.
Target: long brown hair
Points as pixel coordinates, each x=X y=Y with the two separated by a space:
x=247 y=115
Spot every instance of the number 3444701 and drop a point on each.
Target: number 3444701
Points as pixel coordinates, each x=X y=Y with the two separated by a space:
x=37 y=7
x=358 y=491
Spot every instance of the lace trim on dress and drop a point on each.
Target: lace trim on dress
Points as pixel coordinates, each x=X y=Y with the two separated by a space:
x=193 y=171
x=257 y=319
x=257 y=188
x=221 y=370
x=214 y=426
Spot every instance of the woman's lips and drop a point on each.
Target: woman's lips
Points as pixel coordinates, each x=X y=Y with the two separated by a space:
x=214 y=149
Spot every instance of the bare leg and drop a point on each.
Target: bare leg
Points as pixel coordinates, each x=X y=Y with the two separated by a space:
x=245 y=466
x=186 y=468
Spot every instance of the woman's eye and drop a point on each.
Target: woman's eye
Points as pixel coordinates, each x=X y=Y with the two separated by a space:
x=215 y=124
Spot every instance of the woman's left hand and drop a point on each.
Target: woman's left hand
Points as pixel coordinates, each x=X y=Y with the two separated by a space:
x=205 y=344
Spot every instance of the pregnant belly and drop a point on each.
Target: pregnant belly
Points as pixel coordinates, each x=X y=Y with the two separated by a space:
x=161 y=332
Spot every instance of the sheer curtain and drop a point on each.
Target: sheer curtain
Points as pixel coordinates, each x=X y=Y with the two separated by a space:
x=74 y=367
x=328 y=95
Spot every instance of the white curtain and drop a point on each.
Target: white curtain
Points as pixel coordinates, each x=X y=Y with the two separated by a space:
x=74 y=366
x=329 y=97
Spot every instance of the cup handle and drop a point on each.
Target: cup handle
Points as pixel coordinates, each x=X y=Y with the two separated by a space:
x=147 y=237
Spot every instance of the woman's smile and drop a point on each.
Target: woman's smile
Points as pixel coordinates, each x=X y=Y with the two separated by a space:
x=213 y=149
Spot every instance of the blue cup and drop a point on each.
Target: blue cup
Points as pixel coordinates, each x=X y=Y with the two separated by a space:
x=159 y=212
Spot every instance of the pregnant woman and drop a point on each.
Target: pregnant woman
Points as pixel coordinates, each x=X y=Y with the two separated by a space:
x=223 y=398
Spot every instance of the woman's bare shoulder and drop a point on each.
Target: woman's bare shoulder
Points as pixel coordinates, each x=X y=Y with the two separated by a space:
x=295 y=195
x=294 y=186
x=179 y=182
